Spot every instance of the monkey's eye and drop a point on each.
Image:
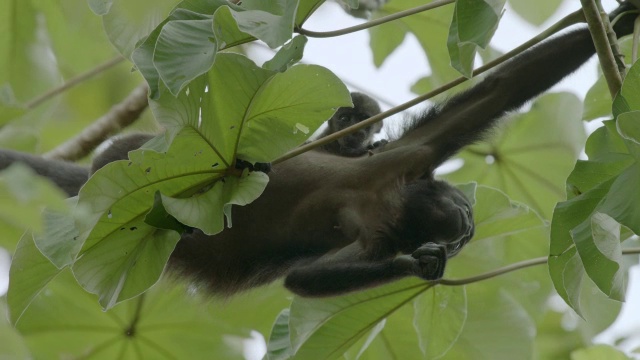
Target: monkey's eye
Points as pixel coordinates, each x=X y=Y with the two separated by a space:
x=344 y=118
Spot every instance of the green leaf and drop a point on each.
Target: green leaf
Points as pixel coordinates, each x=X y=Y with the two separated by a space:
x=597 y=101
x=440 y=318
x=196 y=211
x=128 y=22
x=279 y=344
x=431 y=29
x=144 y=55
x=271 y=22
x=598 y=243
x=257 y=118
x=126 y=263
x=164 y=323
x=598 y=352
x=100 y=7
x=474 y=23
x=629 y=129
x=288 y=55
x=537 y=12
x=30 y=272
x=60 y=240
x=530 y=157
x=12 y=345
x=326 y=328
x=192 y=39
x=497 y=328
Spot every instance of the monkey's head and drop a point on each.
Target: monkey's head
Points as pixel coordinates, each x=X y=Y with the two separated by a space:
x=435 y=212
x=363 y=108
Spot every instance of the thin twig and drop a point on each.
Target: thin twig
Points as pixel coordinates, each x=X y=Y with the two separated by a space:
x=603 y=47
x=119 y=116
x=510 y=268
x=372 y=23
x=73 y=82
x=571 y=19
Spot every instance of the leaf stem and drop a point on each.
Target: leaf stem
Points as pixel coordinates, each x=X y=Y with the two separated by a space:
x=598 y=30
x=509 y=268
x=73 y=82
x=372 y=23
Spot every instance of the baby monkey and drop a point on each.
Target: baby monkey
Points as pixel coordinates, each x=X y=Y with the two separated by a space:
x=361 y=141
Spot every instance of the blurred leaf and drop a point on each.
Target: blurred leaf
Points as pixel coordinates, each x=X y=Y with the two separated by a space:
x=163 y=323
x=496 y=328
x=26 y=49
x=12 y=345
x=30 y=272
x=24 y=195
x=597 y=102
x=59 y=241
x=535 y=12
x=128 y=22
x=440 y=316
x=531 y=156
x=598 y=352
x=474 y=23
x=269 y=21
x=431 y=28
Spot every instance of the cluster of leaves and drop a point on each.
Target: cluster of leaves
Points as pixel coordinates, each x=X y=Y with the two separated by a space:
x=217 y=106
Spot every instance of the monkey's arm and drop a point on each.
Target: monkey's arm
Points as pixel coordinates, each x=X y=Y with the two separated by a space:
x=68 y=176
x=345 y=271
x=466 y=116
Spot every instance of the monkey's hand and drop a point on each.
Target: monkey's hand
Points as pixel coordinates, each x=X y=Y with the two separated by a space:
x=262 y=167
x=378 y=144
x=427 y=262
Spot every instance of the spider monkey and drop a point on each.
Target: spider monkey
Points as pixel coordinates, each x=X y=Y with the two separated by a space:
x=361 y=141
x=332 y=224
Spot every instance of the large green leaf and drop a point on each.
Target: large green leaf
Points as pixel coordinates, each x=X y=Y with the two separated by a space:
x=597 y=352
x=164 y=323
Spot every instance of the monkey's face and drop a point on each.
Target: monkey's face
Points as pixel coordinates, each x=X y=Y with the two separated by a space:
x=436 y=212
x=346 y=117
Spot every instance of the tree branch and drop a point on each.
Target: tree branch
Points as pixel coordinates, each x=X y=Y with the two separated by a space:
x=571 y=19
x=376 y=22
x=73 y=82
x=603 y=47
x=120 y=116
